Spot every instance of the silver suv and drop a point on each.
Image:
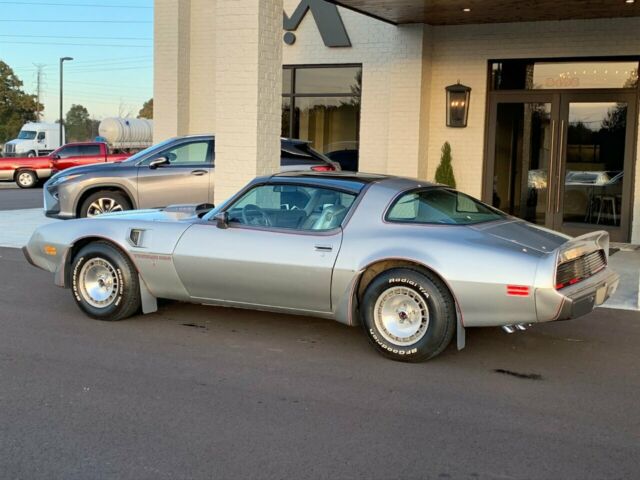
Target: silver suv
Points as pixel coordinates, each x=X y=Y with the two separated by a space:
x=177 y=171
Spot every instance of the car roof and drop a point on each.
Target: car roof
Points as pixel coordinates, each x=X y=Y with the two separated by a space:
x=349 y=181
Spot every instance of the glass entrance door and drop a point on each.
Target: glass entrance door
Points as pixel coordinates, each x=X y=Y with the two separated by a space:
x=563 y=160
x=522 y=144
x=595 y=154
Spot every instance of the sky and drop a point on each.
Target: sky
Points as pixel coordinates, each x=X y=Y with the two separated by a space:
x=111 y=42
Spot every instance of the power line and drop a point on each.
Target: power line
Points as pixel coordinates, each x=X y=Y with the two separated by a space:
x=78 y=38
x=100 y=61
x=90 y=5
x=75 y=21
x=69 y=44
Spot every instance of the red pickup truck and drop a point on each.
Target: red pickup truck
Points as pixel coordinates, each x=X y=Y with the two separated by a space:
x=27 y=172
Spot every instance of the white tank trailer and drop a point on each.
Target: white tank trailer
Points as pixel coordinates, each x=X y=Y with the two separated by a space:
x=127 y=133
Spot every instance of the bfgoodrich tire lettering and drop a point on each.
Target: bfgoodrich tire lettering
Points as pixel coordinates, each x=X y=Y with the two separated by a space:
x=409 y=315
x=105 y=283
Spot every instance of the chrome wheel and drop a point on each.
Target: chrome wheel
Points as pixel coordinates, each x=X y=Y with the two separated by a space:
x=98 y=282
x=401 y=315
x=25 y=179
x=103 y=205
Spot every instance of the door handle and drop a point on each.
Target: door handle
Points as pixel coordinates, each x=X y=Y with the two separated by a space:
x=324 y=248
x=199 y=173
x=561 y=162
x=550 y=171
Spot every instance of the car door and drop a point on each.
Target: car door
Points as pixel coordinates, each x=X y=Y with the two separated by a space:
x=284 y=262
x=184 y=178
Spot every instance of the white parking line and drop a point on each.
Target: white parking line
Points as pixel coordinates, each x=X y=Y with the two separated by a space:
x=16 y=226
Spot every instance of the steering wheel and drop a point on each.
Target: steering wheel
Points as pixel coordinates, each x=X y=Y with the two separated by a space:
x=254 y=215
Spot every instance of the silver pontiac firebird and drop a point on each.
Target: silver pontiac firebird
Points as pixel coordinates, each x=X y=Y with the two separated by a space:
x=411 y=261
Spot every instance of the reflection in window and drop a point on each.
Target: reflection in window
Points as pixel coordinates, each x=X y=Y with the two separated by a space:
x=529 y=75
x=595 y=162
x=322 y=105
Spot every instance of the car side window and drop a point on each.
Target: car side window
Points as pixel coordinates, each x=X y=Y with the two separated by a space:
x=192 y=153
x=295 y=207
x=88 y=150
x=41 y=136
x=67 y=152
x=441 y=206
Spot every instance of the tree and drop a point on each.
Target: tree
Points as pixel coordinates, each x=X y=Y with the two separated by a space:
x=16 y=107
x=78 y=124
x=444 y=172
x=147 y=110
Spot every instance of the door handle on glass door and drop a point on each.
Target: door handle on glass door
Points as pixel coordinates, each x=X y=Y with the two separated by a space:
x=199 y=173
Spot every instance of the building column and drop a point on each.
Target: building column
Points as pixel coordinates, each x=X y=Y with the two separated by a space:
x=248 y=92
x=172 y=24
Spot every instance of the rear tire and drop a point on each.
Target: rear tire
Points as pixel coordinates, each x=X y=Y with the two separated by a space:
x=26 y=179
x=409 y=315
x=104 y=201
x=105 y=283
x=31 y=154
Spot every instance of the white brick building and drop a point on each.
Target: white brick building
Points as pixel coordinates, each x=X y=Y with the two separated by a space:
x=552 y=118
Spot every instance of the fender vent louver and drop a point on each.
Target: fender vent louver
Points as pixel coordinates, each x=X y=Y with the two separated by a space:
x=135 y=237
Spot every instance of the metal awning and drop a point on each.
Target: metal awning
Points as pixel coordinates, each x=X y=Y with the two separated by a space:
x=459 y=12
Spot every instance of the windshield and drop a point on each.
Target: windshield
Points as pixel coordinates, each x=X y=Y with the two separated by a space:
x=441 y=206
x=143 y=153
x=26 y=135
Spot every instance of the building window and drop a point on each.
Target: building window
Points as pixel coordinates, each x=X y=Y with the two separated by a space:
x=321 y=104
x=543 y=75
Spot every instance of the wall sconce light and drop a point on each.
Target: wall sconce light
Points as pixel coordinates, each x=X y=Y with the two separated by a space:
x=458 y=96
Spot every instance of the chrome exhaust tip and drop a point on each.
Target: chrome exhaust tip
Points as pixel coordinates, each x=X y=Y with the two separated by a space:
x=508 y=328
x=521 y=327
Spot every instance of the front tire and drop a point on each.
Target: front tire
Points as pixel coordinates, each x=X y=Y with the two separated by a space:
x=26 y=179
x=105 y=283
x=104 y=201
x=408 y=315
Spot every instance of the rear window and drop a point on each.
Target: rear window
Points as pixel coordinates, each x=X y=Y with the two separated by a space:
x=441 y=206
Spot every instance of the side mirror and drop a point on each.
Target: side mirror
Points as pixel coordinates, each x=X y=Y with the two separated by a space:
x=158 y=162
x=222 y=220
x=55 y=157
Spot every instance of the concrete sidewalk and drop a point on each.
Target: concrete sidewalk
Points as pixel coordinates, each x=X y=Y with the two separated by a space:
x=16 y=227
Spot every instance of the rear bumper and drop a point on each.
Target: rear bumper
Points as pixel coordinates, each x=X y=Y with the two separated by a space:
x=576 y=300
x=585 y=299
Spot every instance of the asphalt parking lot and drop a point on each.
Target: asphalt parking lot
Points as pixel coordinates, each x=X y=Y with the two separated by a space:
x=14 y=198
x=205 y=392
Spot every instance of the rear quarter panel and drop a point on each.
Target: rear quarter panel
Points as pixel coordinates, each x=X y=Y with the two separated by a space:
x=476 y=268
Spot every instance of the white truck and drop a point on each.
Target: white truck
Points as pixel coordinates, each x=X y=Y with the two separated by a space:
x=34 y=140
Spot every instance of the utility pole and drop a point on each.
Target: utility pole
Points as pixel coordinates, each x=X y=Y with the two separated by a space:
x=39 y=77
x=62 y=60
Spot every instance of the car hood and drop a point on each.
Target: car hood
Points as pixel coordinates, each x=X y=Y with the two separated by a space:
x=95 y=167
x=172 y=213
x=523 y=234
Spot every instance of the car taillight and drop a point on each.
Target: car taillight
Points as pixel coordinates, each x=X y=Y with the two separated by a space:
x=323 y=168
